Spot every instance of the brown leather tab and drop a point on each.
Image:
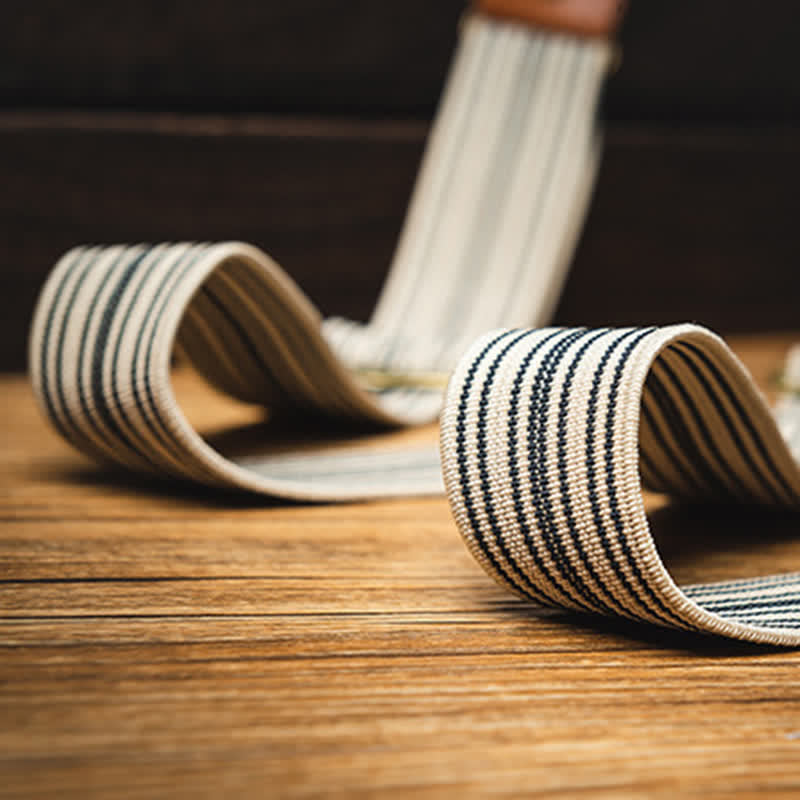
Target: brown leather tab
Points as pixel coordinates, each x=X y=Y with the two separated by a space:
x=583 y=17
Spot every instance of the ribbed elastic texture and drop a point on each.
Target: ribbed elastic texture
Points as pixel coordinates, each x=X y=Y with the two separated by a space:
x=547 y=436
x=104 y=331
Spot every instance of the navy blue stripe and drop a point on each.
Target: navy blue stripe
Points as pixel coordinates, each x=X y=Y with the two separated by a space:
x=787 y=600
x=140 y=445
x=686 y=441
x=76 y=435
x=172 y=282
x=765 y=617
x=95 y=378
x=788 y=583
x=163 y=296
x=44 y=348
x=486 y=492
x=133 y=437
x=226 y=364
x=722 y=464
x=664 y=613
x=173 y=278
x=293 y=337
x=749 y=584
x=541 y=497
x=290 y=333
x=656 y=481
x=461 y=460
x=105 y=277
x=728 y=422
x=791 y=624
x=777 y=474
x=514 y=469
x=564 y=481
x=289 y=397
x=305 y=353
x=101 y=346
x=591 y=478
x=589 y=455
x=690 y=490
x=784 y=618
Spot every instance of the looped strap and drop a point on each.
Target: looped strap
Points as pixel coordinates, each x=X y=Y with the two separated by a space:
x=548 y=437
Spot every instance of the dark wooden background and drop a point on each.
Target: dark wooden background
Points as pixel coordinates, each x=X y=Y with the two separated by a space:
x=299 y=127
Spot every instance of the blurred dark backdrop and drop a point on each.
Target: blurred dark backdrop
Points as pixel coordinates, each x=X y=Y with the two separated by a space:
x=298 y=127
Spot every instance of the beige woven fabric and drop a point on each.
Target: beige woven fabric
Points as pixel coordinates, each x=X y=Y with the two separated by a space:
x=547 y=438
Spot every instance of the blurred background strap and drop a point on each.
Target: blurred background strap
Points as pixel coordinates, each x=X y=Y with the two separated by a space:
x=299 y=127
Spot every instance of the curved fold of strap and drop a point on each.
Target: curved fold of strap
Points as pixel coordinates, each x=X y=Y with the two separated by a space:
x=103 y=334
x=494 y=216
x=547 y=438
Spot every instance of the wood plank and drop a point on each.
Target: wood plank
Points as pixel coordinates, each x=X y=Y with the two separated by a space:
x=687 y=59
x=162 y=640
x=677 y=230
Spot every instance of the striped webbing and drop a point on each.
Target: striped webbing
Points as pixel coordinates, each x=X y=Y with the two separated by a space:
x=104 y=332
x=546 y=436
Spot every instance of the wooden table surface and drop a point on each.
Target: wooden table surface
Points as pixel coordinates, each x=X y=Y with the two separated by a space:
x=163 y=640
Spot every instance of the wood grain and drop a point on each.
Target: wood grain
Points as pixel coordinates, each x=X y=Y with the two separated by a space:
x=164 y=640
